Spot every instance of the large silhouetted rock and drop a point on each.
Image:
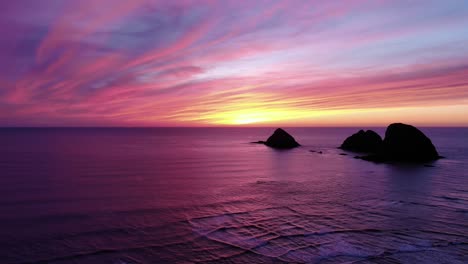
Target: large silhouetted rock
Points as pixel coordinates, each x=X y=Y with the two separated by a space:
x=281 y=140
x=405 y=143
x=363 y=141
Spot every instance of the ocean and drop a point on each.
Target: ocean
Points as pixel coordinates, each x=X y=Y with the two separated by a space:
x=206 y=195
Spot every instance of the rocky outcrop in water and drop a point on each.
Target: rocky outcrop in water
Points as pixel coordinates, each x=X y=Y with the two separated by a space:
x=405 y=143
x=280 y=140
x=363 y=141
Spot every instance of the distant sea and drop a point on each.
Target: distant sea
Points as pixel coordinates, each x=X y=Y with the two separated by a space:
x=205 y=195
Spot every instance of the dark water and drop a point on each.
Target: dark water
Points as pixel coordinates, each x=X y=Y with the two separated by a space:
x=207 y=196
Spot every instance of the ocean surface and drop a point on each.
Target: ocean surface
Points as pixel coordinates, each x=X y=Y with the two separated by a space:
x=206 y=195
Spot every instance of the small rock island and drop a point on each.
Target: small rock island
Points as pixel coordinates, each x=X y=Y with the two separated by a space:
x=402 y=143
x=280 y=139
x=363 y=141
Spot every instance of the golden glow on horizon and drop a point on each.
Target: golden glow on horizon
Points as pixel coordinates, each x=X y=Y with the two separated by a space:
x=245 y=120
x=257 y=115
x=265 y=116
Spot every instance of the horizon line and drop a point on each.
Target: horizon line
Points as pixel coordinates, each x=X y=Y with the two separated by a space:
x=130 y=127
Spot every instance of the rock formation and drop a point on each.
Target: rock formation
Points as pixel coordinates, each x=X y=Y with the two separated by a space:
x=402 y=142
x=363 y=141
x=280 y=140
x=405 y=143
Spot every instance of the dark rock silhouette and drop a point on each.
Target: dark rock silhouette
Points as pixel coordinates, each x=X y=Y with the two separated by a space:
x=363 y=141
x=404 y=143
x=280 y=140
x=316 y=151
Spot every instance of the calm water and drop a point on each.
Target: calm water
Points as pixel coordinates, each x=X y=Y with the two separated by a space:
x=208 y=196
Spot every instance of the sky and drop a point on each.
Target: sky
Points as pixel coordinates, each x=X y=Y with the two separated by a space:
x=233 y=63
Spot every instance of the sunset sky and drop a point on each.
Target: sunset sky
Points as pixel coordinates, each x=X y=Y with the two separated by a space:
x=214 y=63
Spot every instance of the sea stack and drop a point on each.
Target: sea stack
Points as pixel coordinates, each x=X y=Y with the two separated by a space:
x=281 y=140
x=405 y=143
x=363 y=141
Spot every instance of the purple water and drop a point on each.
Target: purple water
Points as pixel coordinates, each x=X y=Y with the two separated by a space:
x=205 y=195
